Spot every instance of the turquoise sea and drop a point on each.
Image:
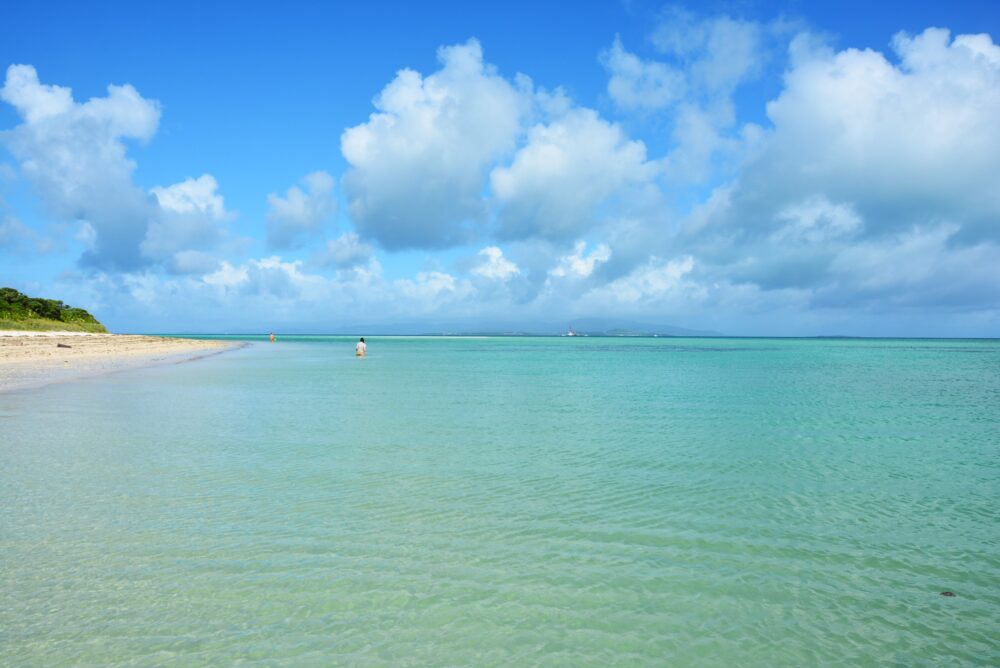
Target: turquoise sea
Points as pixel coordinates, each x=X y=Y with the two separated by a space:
x=510 y=502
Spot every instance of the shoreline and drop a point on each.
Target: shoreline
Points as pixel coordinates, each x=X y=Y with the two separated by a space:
x=31 y=360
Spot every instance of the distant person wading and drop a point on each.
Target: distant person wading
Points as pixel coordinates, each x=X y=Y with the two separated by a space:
x=361 y=348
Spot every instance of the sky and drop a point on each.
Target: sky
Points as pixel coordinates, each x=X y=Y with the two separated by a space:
x=751 y=168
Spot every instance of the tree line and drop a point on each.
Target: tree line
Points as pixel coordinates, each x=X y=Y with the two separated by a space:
x=15 y=305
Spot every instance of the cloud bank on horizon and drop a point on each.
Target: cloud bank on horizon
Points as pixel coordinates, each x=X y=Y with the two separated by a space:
x=867 y=202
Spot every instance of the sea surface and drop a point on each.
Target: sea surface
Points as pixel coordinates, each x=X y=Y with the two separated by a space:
x=510 y=502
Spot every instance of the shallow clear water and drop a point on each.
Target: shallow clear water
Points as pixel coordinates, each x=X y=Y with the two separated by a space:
x=510 y=501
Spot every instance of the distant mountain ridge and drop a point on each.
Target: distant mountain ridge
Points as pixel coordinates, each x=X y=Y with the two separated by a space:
x=19 y=311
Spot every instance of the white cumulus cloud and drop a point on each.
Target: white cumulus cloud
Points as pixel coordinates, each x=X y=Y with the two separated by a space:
x=902 y=143
x=269 y=277
x=877 y=183
x=656 y=280
x=579 y=263
x=417 y=166
x=298 y=217
x=346 y=251
x=568 y=169
x=74 y=155
x=720 y=52
x=708 y=58
x=198 y=196
x=816 y=220
x=189 y=221
x=637 y=84
x=494 y=265
x=429 y=289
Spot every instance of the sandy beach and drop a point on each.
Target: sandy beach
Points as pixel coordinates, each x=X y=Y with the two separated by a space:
x=33 y=359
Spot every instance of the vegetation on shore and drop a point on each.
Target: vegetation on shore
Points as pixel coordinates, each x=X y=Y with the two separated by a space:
x=19 y=311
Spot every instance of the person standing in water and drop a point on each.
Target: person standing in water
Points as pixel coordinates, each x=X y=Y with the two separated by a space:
x=361 y=348
x=272 y=337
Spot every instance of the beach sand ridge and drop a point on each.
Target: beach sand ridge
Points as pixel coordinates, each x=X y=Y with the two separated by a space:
x=33 y=359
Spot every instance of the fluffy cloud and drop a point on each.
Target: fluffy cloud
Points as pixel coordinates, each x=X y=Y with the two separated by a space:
x=875 y=190
x=709 y=58
x=915 y=268
x=298 y=217
x=255 y=295
x=877 y=182
x=197 y=196
x=188 y=221
x=567 y=171
x=192 y=262
x=417 y=166
x=704 y=148
x=431 y=289
x=720 y=52
x=580 y=264
x=494 y=265
x=903 y=144
x=33 y=100
x=814 y=221
x=655 y=281
x=636 y=84
x=268 y=277
x=75 y=156
x=345 y=252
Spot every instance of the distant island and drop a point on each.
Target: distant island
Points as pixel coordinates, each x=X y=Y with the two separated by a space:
x=582 y=326
x=19 y=311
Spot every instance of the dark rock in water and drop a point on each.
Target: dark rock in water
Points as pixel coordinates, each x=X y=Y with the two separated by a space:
x=947 y=593
x=63 y=345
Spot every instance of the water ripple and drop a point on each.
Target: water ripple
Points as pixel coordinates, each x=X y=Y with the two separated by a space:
x=506 y=502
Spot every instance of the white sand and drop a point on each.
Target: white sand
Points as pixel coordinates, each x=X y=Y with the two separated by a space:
x=32 y=359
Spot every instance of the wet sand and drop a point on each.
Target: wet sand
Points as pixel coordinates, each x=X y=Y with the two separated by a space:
x=33 y=359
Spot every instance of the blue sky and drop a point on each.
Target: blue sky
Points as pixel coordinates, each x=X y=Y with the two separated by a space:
x=754 y=168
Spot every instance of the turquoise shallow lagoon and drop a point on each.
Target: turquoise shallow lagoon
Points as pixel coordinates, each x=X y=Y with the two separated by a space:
x=510 y=501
